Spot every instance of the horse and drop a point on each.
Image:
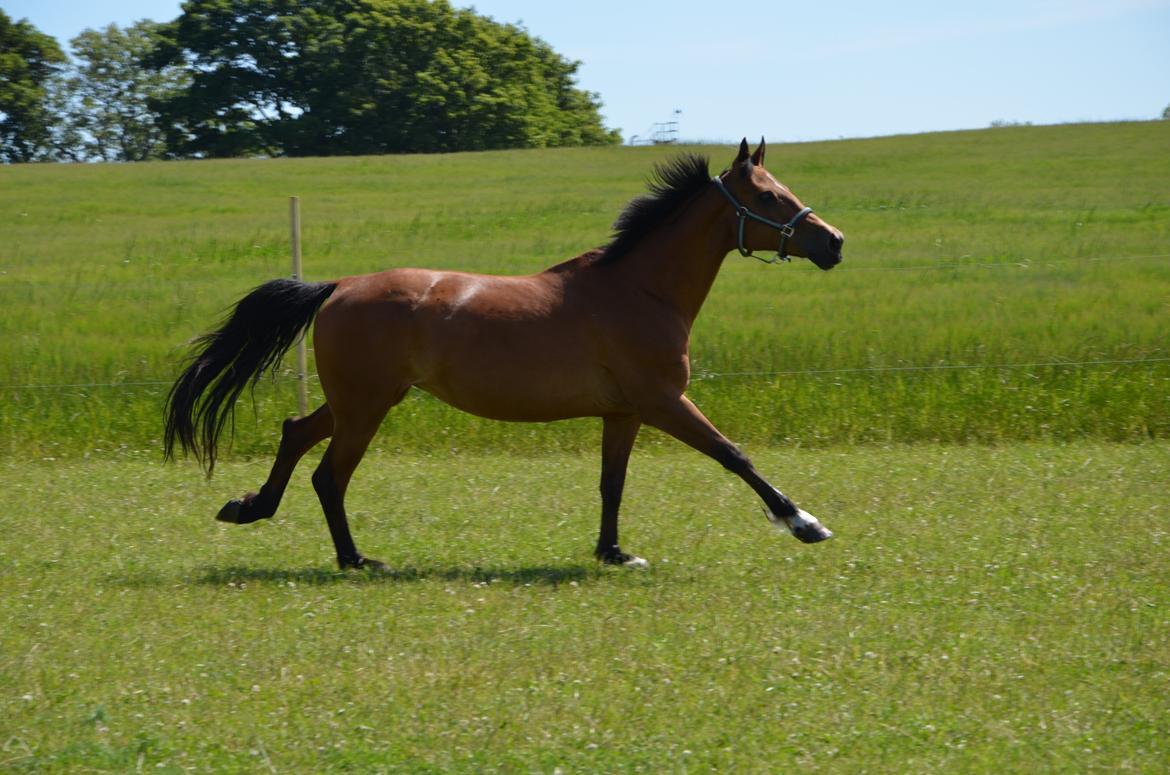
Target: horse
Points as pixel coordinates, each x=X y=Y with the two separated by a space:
x=605 y=334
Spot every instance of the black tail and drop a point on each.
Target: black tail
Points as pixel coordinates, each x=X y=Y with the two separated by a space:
x=261 y=328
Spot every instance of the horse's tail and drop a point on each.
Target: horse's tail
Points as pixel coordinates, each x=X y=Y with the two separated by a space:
x=260 y=329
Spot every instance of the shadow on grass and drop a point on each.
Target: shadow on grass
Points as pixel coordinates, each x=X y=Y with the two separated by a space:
x=546 y=575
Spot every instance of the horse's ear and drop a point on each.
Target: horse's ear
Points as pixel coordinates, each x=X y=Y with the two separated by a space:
x=758 y=156
x=743 y=153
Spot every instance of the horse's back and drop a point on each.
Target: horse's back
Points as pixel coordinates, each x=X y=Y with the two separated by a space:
x=514 y=348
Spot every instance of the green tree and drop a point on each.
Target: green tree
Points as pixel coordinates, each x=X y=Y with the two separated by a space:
x=29 y=60
x=106 y=99
x=324 y=77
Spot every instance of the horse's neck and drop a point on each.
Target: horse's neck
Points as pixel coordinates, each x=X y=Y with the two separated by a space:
x=678 y=262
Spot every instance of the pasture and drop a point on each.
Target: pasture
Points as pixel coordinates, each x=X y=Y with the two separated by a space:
x=1014 y=246
x=981 y=609
x=976 y=402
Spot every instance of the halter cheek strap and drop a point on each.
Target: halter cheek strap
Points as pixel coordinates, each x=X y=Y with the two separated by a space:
x=742 y=213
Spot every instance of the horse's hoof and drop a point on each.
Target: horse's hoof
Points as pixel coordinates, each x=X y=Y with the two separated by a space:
x=616 y=556
x=811 y=534
x=363 y=563
x=243 y=511
x=231 y=512
x=803 y=525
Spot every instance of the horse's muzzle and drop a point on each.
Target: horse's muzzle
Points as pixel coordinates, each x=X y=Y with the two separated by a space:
x=832 y=255
x=826 y=261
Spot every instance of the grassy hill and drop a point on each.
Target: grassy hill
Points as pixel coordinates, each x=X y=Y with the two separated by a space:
x=974 y=251
x=984 y=607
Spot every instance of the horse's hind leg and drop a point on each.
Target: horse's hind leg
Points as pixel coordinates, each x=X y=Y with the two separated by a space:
x=298 y=436
x=331 y=479
x=617 y=440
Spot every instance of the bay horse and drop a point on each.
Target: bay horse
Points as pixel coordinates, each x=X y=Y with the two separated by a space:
x=604 y=335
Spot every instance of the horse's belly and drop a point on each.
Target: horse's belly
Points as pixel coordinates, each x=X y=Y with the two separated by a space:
x=525 y=397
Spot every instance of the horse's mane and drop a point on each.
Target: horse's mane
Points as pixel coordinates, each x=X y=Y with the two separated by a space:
x=671 y=184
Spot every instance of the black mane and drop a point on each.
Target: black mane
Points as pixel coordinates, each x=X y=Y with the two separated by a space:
x=672 y=184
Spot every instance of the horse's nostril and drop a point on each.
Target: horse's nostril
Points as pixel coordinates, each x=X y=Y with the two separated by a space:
x=836 y=241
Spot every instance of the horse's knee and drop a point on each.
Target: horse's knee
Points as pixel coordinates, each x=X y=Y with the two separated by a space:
x=323 y=482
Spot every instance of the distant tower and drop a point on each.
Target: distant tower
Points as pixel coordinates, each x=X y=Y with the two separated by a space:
x=666 y=132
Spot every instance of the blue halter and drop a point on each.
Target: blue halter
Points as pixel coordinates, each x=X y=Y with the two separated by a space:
x=786 y=229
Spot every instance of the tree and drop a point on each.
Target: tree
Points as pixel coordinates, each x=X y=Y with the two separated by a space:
x=324 y=77
x=29 y=60
x=105 y=101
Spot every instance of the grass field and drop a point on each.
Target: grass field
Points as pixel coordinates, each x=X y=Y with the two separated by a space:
x=1016 y=245
x=980 y=610
x=995 y=599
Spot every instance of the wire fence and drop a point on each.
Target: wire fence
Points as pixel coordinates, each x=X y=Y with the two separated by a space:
x=698 y=375
x=74 y=285
x=705 y=375
x=1021 y=263
x=934 y=367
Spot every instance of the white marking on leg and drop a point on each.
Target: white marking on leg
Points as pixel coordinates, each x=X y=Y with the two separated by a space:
x=636 y=562
x=777 y=522
x=801 y=519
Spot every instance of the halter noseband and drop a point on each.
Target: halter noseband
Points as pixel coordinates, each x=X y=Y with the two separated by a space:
x=786 y=229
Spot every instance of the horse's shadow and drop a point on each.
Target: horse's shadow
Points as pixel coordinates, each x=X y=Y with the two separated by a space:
x=544 y=575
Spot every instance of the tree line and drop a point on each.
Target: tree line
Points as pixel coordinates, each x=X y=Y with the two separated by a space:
x=289 y=78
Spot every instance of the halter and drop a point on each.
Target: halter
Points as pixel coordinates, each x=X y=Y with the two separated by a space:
x=786 y=229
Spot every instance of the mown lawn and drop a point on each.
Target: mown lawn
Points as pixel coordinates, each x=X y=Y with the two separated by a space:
x=981 y=609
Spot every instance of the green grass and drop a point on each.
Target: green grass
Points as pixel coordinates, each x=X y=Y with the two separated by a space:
x=1006 y=246
x=995 y=602
x=982 y=609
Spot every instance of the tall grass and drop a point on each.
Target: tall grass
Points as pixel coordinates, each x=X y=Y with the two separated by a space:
x=1007 y=246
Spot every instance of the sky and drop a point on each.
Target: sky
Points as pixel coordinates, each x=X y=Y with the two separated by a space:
x=814 y=71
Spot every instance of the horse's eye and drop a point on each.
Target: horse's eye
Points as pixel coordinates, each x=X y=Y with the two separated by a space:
x=768 y=197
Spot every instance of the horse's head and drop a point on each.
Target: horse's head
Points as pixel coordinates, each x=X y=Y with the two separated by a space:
x=770 y=217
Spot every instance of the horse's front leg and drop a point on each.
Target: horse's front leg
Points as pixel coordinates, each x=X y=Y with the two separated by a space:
x=683 y=420
x=617 y=440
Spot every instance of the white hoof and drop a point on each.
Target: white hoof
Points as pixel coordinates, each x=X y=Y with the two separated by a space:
x=636 y=562
x=803 y=525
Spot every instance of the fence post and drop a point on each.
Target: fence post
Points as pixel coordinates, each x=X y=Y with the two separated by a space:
x=294 y=211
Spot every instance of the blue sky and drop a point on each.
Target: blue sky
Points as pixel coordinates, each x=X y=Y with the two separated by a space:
x=807 y=71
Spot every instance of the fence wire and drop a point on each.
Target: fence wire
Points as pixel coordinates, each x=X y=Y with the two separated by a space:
x=932 y=367
x=702 y=376
x=1019 y=263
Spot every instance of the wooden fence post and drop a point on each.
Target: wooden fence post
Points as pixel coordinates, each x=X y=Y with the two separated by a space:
x=294 y=211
